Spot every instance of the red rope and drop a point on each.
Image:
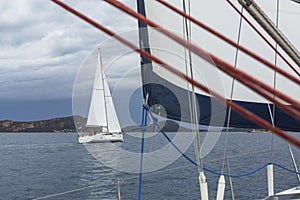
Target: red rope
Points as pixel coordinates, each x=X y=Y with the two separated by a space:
x=231 y=42
x=234 y=106
x=225 y=67
x=264 y=38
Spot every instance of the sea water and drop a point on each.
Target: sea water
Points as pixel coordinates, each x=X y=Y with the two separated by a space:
x=56 y=166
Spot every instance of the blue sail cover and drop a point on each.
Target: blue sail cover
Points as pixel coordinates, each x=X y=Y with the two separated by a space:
x=171 y=96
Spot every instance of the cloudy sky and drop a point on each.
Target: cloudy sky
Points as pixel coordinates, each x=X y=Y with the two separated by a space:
x=42 y=47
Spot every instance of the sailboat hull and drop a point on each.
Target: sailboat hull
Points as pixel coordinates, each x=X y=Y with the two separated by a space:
x=101 y=137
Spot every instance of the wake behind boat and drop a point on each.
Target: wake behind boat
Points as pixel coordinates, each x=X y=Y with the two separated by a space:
x=102 y=123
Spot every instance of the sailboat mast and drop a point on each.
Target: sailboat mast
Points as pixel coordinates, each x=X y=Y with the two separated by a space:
x=102 y=77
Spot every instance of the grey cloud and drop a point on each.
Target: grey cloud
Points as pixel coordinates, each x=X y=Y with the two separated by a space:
x=42 y=46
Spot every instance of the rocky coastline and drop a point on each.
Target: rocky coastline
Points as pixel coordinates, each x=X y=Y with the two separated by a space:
x=63 y=124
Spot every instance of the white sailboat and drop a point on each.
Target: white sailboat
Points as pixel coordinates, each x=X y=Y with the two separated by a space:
x=102 y=122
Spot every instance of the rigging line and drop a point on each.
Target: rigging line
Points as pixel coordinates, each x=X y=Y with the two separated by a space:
x=231 y=42
x=102 y=78
x=177 y=148
x=282 y=10
x=185 y=27
x=246 y=113
x=194 y=113
x=230 y=179
x=185 y=33
x=275 y=80
x=212 y=171
x=137 y=176
x=225 y=158
x=264 y=38
x=144 y=116
x=175 y=168
x=284 y=168
x=219 y=173
x=199 y=23
x=219 y=63
x=66 y=192
x=294 y=162
x=243 y=77
x=100 y=185
x=248 y=80
x=273 y=124
x=231 y=91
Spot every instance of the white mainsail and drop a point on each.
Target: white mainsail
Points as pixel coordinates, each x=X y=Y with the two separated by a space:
x=97 y=114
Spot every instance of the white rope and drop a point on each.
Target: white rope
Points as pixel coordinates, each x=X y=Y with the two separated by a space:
x=66 y=192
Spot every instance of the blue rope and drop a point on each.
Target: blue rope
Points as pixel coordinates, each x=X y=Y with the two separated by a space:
x=224 y=174
x=215 y=172
x=144 y=124
x=237 y=175
x=285 y=168
x=183 y=154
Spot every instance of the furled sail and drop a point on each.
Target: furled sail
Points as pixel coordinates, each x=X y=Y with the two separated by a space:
x=169 y=93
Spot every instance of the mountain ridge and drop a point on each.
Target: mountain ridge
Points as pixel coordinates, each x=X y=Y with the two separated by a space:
x=61 y=124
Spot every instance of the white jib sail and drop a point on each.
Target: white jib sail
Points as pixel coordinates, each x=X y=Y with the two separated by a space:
x=112 y=118
x=97 y=114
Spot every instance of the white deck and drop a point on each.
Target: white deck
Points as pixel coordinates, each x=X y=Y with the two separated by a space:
x=101 y=137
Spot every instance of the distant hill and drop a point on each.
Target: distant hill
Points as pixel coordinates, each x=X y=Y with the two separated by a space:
x=64 y=124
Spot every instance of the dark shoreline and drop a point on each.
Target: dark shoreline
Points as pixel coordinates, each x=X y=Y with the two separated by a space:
x=66 y=125
x=63 y=124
